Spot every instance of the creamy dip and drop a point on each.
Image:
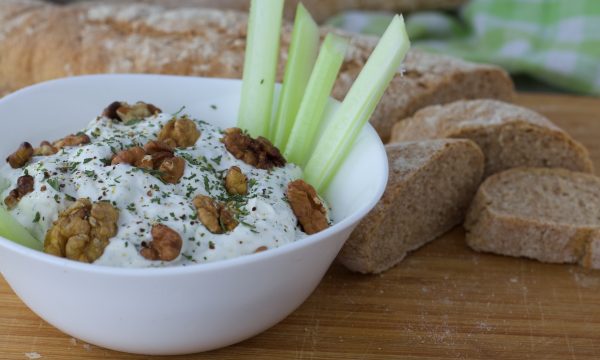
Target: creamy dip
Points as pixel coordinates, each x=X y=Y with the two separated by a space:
x=265 y=217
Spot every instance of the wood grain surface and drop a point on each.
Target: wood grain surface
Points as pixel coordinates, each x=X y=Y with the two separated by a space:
x=443 y=301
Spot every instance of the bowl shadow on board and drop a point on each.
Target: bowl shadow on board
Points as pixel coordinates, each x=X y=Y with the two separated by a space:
x=176 y=310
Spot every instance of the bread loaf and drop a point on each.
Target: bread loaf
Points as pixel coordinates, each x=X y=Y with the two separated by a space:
x=40 y=42
x=320 y=9
x=430 y=187
x=552 y=215
x=509 y=135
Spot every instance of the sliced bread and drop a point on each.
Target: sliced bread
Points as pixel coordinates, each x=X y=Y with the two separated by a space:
x=430 y=187
x=509 y=135
x=552 y=215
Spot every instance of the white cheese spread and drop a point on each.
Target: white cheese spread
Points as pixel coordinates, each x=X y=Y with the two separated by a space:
x=264 y=215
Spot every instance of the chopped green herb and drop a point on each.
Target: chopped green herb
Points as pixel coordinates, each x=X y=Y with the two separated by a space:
x=179 y=111
x=53 y=183
x=188 y=257
x=37 y=217
x=190 y=191
x=252 y=227
x=206 y=184
x=189 y=158
x=96 y=133
x=156 y=173
x=217 y=160
x=90 y=173
x=133 y=122
x=252 y=183
x=71 y=166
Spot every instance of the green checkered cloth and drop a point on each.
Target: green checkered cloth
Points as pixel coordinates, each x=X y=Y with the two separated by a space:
x=556 y=41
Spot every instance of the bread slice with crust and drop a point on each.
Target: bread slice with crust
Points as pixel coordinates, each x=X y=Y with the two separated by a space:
x=552 y=215
x=509 y=135
x=430 y=187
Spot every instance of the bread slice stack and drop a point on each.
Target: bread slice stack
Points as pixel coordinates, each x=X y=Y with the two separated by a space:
x=539 y=200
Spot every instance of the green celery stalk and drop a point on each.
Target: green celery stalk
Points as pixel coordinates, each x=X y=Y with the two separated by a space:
x=260 y=66
x=341 y=132
x=301 y=59
x=312 y=107
x=12 y=230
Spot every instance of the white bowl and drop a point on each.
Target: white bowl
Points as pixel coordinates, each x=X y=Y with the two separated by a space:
x=175 y=310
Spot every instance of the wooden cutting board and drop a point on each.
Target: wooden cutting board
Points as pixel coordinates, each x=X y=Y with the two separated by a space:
x=443 y=301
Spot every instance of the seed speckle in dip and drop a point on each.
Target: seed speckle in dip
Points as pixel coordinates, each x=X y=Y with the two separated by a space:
x=154 y=188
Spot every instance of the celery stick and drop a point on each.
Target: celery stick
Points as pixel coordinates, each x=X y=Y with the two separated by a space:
x=340 y=134
x=301 y=59
x=312 y=107
x=12 y=230
x=260 y=66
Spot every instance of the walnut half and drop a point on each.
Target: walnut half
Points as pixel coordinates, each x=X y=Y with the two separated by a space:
x=155 y=155
x=25 y=151
x=165 y=245
x=122 y=111
x=216 y=217
x=20 y=157
x=308 y=208
x=158 y=152
x=45 y=149
x=172 y=169
x=71 y=140
x=236 y=182
x=259 y=152
x=179 y=133
x=24 y=187
x=131 y=156
x=82 y=231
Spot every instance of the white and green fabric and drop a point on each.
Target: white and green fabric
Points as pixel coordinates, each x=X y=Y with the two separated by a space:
x=557 y=41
